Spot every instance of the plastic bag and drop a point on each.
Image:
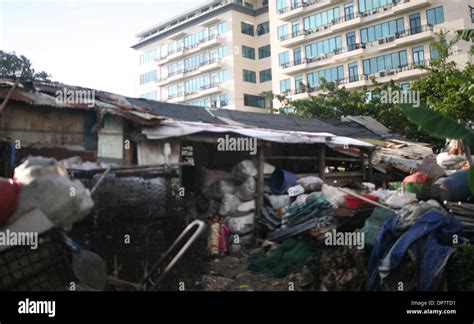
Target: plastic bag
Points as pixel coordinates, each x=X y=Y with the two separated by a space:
x=243 y=170
x=229 y=204
x=246 y=191
x=311 y=183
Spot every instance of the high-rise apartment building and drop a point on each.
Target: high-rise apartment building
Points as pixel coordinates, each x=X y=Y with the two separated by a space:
x=230 y=53
x=215 y=55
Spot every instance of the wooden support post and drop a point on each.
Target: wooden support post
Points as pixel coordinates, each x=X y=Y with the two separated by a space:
x=322 y=160
x=260 y=183
x=362 y=162
x=371 y=171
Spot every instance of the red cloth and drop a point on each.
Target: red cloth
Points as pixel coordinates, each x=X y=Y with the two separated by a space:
x=9 y=194
x=354 y=202
x=224 y=230
x=416 y=177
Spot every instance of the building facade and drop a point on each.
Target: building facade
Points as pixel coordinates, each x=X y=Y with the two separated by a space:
x=231 y=54
x=216 y=55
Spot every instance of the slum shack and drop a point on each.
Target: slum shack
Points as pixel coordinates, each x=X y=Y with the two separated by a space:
x=305 y=201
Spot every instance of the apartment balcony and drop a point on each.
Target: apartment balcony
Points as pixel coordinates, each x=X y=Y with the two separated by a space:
x=176 y=98
x=372 y=16
x=402 y=73
x=302 y=8
x=399 y=40
x=204 y=67
x=352 y=21
x=204 y=91
x=205 y=43
x=340 y=55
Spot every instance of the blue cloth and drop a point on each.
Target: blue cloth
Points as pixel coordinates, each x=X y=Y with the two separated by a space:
x=392 y=245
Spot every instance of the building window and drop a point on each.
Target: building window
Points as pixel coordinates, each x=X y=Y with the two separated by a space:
x=353 y=72
x=148 y=77
x=382 y=30
x=323 y=47
x=254 y=101
x=331 y=75
x=367 y=5
x=349 y=11
x=265 y=75
x=299 y=86
x=322 y=18
x=435 y=16
x=264 y=52
x=295 y=28
x=248 y=52
x=419 y=55
x=284 y=58
x=297 y=56
x=471 y=10
x=148 y=56
x=405 y=87
x=282 y=32
x=351 y=41
x=434 y=53
x=224 y=100
x=153 y=95
x=250 y=76
x=247 y=29
x=263 y=28
x=415 y=23
x=385 y=62
x=285 y=86
x=281 y=5
x=224 y=75
x=222 y=51
x=172 y=91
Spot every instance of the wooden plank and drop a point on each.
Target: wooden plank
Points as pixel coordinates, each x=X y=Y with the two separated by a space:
x=322 y=161
x=260 y=184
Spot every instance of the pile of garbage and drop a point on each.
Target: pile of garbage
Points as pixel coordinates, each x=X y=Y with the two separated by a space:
x=36 y=207
x=295 y=205
x=232 y=194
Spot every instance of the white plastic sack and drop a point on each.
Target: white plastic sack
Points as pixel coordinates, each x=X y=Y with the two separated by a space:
x=46 y=185
x=229 y=204
x=246 y=207
x=243 y=170
x=400 y=200
x=311 y=183
x=295 y=191
x=246 y=191
x=333 y=195
x=279 y=201
x=242 y=224
x=219 y=188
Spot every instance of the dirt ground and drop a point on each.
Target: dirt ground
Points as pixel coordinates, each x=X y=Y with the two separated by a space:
x=230 y=273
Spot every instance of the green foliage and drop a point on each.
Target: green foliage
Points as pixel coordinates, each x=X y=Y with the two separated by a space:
x=445 y=89
x=14 y=66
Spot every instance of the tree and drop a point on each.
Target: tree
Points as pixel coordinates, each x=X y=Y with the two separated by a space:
x=445 y=89
x=14 y=66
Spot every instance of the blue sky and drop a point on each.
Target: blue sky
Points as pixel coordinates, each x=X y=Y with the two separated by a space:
x=84 y=42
